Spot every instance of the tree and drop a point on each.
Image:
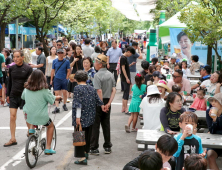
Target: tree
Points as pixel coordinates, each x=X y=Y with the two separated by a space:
x=45 y=14
x=10 y=11
x=171 y=7
x=204 y=23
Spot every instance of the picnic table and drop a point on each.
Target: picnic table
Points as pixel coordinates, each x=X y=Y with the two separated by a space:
x=194 y=76
x=150 y=137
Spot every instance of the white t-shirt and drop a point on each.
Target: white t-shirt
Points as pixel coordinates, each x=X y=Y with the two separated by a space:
x=211 y=88
x=151 y=113
x=87 y=51
x=186 y=72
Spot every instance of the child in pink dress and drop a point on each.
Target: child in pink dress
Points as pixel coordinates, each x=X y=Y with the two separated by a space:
x=199 y=102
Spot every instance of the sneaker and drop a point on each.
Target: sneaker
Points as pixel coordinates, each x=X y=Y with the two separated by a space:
x=57 y=110
x=64 y=107
x=68 y=101
x=108 y=150
x=94 y=152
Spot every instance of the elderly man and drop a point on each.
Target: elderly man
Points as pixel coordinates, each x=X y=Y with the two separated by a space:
x=105 y=84
x=172 y=62
x=41 y=60
x=182 y=82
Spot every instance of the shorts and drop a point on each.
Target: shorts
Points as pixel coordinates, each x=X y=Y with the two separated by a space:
x=49 y=122
x=132 y=76
x=218 y=151
x=1 y=80
x=16 y=102
x=60 y=84
x=126 y=88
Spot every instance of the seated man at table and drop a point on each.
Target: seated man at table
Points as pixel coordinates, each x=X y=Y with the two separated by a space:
x=166 y=146
x=182 y=82
x=188 y=143
x=205 y=75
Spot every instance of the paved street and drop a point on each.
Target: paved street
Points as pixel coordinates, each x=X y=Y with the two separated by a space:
x=124 y=146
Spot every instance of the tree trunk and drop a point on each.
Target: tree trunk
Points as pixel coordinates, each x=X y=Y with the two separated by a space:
x=209 y=55
x=2 y=36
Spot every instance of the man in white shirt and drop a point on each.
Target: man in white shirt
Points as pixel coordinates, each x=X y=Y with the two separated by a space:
x=87 y=49
x=19 y=43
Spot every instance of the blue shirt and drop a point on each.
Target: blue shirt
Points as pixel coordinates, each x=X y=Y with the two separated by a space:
x=114 y=54
x=131 y=59
x=123 y=45
x=62 y=72
x=191 y=144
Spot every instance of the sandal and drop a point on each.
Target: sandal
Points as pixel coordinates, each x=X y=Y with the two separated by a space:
x=10 y=143
x=134 y=130
x=127 y=128
x=49 y=152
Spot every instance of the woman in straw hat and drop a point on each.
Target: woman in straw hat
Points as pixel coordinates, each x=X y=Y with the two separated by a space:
x=163 y=88
x=214 y=122
x=151 y=106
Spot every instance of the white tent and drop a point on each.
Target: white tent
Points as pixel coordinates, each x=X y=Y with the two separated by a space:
x=135 y=9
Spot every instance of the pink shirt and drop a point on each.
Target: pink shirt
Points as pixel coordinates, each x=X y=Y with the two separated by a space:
x=186 y=85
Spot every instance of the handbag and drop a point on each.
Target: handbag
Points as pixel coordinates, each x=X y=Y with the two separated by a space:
x=79 y=136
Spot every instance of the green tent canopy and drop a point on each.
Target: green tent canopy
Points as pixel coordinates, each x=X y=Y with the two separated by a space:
x=173 y=22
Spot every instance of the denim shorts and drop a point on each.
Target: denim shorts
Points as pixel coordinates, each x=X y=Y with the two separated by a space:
x=60 y=84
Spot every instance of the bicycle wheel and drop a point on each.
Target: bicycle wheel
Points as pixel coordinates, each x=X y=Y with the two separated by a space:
x=31 y=151
x=54 y=138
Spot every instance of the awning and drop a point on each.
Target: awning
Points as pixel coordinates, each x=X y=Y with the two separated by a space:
x=135 y=9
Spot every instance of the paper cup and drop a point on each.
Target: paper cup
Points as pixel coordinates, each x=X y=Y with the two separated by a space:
x=191 y=127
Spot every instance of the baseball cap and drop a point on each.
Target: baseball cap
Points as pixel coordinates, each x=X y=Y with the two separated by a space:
x=102 y=58
x=60 y=50
x=206 y=67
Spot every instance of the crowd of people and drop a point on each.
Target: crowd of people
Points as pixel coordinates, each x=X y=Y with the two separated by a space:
x=89 y=75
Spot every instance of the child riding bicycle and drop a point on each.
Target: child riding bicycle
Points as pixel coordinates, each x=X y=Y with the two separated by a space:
x=37 y=96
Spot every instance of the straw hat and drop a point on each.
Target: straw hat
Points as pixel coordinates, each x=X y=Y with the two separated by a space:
x=152 y=89
x=163 y=83
x=102 y=58
x=217 y=97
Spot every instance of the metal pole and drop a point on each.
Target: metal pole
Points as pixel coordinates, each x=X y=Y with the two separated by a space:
x=16 y=42
x=57 y=31
x=22 y=37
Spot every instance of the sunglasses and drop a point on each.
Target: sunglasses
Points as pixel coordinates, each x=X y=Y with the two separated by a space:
x=59 y=44
x=60 y=52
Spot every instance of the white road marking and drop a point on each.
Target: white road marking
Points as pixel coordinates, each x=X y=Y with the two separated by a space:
x=15 y=160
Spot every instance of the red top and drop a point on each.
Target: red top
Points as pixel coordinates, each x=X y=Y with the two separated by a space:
x=199 y=104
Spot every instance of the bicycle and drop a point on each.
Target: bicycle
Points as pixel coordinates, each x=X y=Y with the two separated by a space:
x=35 y=143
